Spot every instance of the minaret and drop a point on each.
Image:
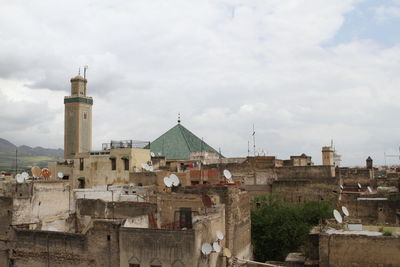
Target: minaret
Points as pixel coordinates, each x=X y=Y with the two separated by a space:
x=78 y=119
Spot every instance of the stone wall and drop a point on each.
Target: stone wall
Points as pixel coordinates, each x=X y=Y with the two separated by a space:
x=337 y=250
x=374 y=211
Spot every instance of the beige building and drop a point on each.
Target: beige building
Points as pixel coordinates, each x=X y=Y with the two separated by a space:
x=78 y=119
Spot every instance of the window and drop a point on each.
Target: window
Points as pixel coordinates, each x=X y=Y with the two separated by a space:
x=84 y=115
x=81 y=164
x=126 y=164
x=113 y=164
x=134 y=265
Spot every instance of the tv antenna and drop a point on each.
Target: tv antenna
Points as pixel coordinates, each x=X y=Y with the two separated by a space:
x=254 y=140
x=391 y=156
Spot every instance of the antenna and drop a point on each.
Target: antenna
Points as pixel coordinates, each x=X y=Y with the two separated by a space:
x=174 y=179
x=179 y=117
x=36 y=172
x=220 y=235
x=345 y=211
x=206 y=248
x=217 y=248
x=254 y=140
x=19 y=178
x=337 y=216
x=167 y=181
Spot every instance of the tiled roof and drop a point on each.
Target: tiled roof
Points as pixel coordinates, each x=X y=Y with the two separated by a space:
x=177 y=143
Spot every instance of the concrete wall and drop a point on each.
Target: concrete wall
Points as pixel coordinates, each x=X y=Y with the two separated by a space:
x=337 y=250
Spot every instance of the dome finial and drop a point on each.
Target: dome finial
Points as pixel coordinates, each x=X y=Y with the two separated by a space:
x=179 y=117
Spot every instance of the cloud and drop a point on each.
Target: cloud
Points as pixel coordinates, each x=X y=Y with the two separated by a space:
x=223 y=65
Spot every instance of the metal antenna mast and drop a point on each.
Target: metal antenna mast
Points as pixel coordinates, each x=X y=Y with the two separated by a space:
x=254 y=140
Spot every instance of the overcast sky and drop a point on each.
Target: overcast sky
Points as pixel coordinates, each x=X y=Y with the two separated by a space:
x=304 y=72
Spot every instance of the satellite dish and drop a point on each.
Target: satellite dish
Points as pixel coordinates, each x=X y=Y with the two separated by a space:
x=227 y=252
x=19 y=178
x=60 y=175
x=174 y=179
x=159 y=153
x=345 y=211
x=337 y=216
x=167 y=181
x=220 y=235
x=36 y=171
x=206 y=248
x=151 y=168
x=144 y=166
x=359 y=186
x=152 y=154
x=369 y=189
x=227 y=174
x=25 y=175
x=217 y=248
x=45 y=173
x=341 y=186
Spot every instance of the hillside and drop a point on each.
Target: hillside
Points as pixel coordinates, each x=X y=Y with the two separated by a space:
x=27 y=156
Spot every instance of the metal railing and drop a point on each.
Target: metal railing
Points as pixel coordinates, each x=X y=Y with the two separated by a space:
x=113 y=144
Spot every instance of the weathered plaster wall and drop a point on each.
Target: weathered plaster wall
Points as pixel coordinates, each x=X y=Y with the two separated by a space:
x=337 y=250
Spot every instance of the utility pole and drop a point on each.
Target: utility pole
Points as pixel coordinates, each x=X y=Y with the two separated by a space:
x=16 y=161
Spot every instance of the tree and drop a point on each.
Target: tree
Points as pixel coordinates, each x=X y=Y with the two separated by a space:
x=279 y=228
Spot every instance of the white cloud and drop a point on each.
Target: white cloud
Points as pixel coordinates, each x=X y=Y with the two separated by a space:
x=223 y=64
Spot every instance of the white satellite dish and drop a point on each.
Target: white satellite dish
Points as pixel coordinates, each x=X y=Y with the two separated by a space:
x=227 y=174
x=151 y=168
x=25 y=175
x=345 y=211
x=60 y=175
x=359 y=186
x=337 y=216
x=167 y=181
x=174 y=179
x=341 y=187
x=159 y=154
x=19 y=178
x=217 y=248
x=206 y=248
x=369 y=189
x=144 y=166
x=220 y=235
x=152 y=154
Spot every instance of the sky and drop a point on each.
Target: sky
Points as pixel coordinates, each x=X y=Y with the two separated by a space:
x=304 y=72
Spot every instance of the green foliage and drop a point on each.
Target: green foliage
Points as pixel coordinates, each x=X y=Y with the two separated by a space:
x=279 y=228
x=386 y=233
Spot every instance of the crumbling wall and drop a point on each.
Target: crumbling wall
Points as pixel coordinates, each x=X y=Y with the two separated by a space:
x=342 y=250
x=144 y=246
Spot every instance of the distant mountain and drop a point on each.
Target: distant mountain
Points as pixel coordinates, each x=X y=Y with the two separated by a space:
x=26 y=151
x=27 y=156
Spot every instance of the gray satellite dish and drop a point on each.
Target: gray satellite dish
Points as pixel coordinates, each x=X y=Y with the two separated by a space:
x=345 y=211
x=206 y=248
x=167 y=181
x=359 y=186
x=20 y=179
x=60 y=175
x=152 y=154
x=369 y=189
x=217 y=248
x=174 y=179
x=220 y=235
x=337 y=216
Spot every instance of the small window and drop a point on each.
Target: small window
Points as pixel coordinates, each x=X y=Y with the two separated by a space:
x=84 y=115
x=81 y=164
x=134 y=265
x=113 y=164
x=126 y=164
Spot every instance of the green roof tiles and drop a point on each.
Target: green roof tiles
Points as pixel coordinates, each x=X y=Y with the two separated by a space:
x=177 y=143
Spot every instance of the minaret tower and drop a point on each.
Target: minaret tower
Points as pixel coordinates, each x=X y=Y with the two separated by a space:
x=78 y=119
